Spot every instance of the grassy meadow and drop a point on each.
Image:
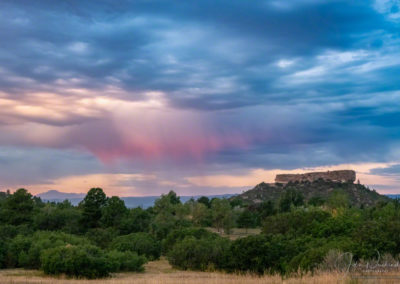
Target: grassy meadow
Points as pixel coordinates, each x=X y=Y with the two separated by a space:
x=160 y=271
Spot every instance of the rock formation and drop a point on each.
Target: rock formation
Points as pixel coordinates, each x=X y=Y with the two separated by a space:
x=337 y=176
x=316 y=184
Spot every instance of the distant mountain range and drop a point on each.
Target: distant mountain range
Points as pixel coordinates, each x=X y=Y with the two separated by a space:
x=147 y=201
x=394 y=196
x=130 y=201
x=55 y=194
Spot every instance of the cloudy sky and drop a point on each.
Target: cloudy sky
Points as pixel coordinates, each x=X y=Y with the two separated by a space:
x=205 y=97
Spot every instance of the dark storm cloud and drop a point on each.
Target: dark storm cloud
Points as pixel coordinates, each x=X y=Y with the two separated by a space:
x=27 y=166
x=187 y=49
x=305 y=83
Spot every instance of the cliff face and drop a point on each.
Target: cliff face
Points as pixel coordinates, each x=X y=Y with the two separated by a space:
x=336 y=176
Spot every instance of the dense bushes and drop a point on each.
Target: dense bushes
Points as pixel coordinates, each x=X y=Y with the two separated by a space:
x=125 y=261
x=141 y=243
x=77 y=261
x=180 y=234
x=61 y=253
x=62 y=216
x=199 y=254
x=296 y=222
x=101 y=235
x=88 y=261
x=25 y=251
x=264 y=253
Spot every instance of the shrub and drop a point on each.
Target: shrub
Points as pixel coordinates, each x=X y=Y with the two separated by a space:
x=308 y=260
x=101 y=237
x=126 y=261
x=141 y=243
x=199 y=254
x=17 y=249
x=3 y=252
x=137 y=220
x=261 y=254
x=179 y=234
x=296 y=222
x=62 y=216
x=85 y=261
x=250 y=254
x=43 y=240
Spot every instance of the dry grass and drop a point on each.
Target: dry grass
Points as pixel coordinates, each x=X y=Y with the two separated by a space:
x=161 y=272
x=237 y=233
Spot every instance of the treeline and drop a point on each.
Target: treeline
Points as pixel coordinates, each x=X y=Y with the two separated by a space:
x=101 y=236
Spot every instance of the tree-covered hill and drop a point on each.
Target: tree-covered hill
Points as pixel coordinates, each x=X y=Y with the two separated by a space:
x=319 y=191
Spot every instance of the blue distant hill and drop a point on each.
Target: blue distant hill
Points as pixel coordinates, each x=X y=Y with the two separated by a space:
x=130 y=202
x=394 y=196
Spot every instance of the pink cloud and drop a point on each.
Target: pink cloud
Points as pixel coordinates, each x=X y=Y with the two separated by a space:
x=194 y=147
x=114 y=129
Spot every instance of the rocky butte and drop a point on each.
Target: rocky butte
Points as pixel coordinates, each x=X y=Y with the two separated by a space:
x=336 y=176
x=316 y=184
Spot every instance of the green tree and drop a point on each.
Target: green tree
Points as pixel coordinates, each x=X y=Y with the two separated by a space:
x=137 y=220
x=247 y=219
x=92 y=206
x=291 y=197
x=113 y=212
x=338 y=199
x=102 y=237
x=167 y=203
x=141 y=243
x=201 y=215
x=204 y=200
x=162 y=224
x=180 y=234
x=18 y=208
x=316 y=201
x=221 y=213
x=61 y=216
x=267 y=208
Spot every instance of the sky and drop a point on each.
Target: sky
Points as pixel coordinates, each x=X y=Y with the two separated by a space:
x=200 y=97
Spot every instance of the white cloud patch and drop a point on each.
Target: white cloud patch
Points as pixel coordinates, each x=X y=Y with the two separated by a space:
x=391 y=8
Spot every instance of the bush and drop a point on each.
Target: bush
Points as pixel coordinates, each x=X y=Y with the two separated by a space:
x=126 y=261
x=141 y=243
x=85 y=261
x=17 y=249
x=43 y=240
x=62 y=216
x=179 y=234
x=308 y=260
x=101 y=237
x=296 y=222
x=3 y=252
x=264 y=254
x=250 y=254
x=199 y=254
x=137 y=220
